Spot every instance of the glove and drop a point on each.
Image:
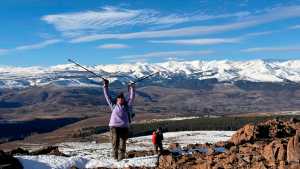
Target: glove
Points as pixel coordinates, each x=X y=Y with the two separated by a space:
x=106 y=82
x=130 y=84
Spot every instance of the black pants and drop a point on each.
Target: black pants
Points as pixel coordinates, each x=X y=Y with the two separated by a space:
x=160 y=146
x=119 y=137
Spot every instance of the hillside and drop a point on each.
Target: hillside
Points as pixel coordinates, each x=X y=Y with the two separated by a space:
x=210 y=98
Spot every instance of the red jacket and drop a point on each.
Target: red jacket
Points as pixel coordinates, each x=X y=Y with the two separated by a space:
x=157 y=137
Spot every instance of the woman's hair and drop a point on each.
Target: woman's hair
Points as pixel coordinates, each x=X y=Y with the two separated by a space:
x=120 y=95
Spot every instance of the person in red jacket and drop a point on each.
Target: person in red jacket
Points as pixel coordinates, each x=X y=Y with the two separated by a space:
x=157 y=137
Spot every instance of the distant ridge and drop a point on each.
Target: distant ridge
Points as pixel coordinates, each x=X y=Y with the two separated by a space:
x=222 y=70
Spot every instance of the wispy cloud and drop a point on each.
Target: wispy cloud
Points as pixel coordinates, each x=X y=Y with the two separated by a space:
x=106 y=18
x=271 y=15
x=113 y=46
x=295 y=27
x=3 y=51
x=169 y=54
x=211 y=41
x=259 y=33
x=195 y=30
x=89 y=22
x=272 y=49
x=31 y=46
x=38 y=45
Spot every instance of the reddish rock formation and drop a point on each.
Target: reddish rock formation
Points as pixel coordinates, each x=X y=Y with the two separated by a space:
x=245 y=134
x=293 y=148
x=272 y=144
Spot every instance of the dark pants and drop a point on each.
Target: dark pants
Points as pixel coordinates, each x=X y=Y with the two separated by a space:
x=160 y=146
x=119 y=137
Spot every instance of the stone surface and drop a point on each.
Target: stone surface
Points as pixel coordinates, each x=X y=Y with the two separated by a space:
x=271 y=144
x=245 y=134
x=293 y=149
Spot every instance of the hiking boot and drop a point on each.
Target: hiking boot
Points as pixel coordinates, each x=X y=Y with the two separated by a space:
x=121 y=156
x=115 y=156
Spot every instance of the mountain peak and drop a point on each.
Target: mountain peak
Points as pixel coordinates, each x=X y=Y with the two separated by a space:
x=223 y=70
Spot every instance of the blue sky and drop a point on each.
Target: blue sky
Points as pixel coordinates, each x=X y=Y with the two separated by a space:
x=47 y=32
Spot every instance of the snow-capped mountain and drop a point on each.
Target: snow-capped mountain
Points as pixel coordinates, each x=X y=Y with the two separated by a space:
x=224 y=70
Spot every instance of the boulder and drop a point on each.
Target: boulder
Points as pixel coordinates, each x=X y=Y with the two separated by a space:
x=293 y=149
x=259 y=165
x=243 y=135
x=51 y=150
x=9 y=162
x=275 y=151
x=294 y=166
x=174 y=146
x=203 y=165
x=18 y=151
x=270 y=144
x=166 y=161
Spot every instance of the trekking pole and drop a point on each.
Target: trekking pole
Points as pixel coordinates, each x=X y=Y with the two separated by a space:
x=143 y=78
x=77 y=64
x=137 y=80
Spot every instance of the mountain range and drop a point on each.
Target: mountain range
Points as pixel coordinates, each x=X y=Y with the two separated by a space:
x=180 y=88
x=223 y=70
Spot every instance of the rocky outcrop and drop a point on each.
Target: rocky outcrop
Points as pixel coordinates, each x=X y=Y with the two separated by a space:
x=272 y=144
x=51 y=150
x=9 y=162
x=19 y=151
x=293 y=148
x=245 y=134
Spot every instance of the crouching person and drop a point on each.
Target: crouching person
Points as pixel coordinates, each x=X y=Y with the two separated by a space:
x=157 y=137
x=119 y=120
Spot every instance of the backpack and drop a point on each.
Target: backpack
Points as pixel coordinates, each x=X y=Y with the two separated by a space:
x=130 y=113
x=154 y=138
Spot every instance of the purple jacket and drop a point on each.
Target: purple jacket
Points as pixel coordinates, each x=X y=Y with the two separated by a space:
x=119 y=116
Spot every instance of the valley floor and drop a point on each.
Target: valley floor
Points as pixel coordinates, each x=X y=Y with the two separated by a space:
x=92 y=155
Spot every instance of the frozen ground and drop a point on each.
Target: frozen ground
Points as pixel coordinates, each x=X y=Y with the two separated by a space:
x=92 y=155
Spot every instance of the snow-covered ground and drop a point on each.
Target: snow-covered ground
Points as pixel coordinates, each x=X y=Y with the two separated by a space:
x=170 y=119
x=92 y=155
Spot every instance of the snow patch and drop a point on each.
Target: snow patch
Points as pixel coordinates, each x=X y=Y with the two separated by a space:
x=92 y=155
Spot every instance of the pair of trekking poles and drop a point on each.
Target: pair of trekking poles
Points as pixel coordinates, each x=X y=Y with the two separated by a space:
x=97 y=75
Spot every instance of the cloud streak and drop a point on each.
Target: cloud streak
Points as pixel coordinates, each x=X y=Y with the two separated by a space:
x=111 y=17
x=251 y=21
x=38 y=45
x=211 y=41
x=3 y=51
x=168 y=54
x=31 y=46
x=259 y=33
x=272 y=49
x=295 y=27
x=113 y=46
